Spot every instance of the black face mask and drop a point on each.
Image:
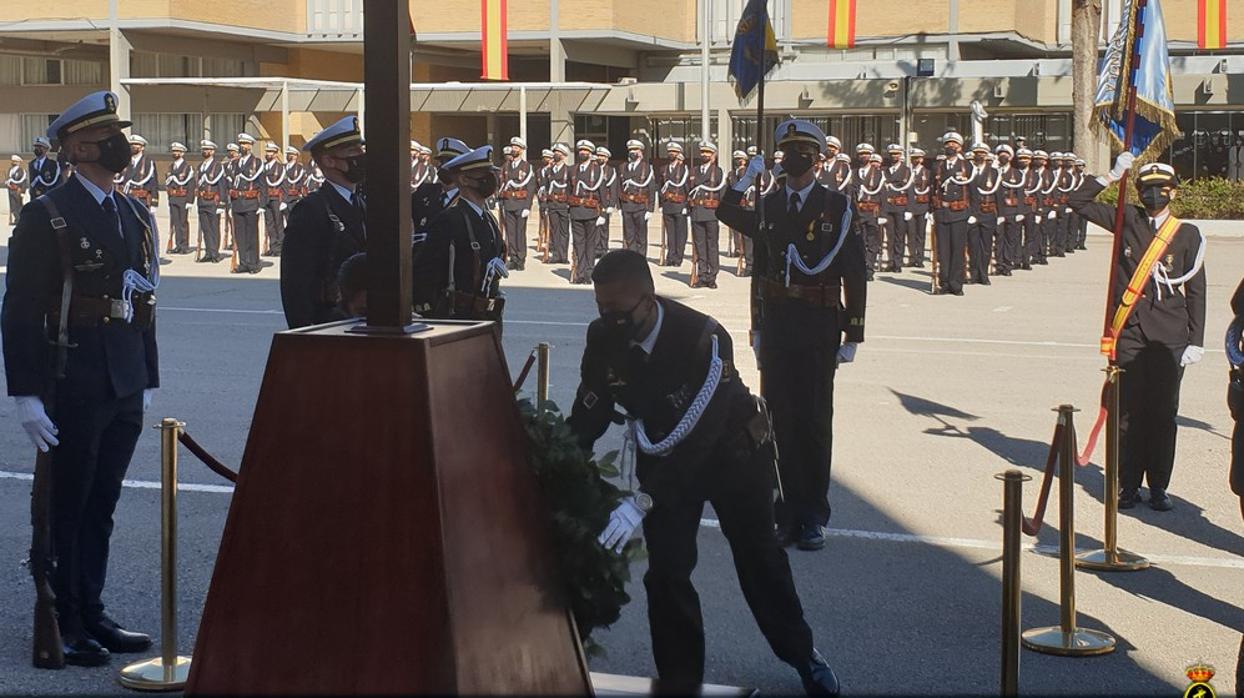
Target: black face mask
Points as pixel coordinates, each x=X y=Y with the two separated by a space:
x=796 y=164
x=620 y=325
x=633 y=155
x=357 y=171
x=1021 y=165
x=486 y=187
x=114 y=153
x=1155 y=198
x=583 y=157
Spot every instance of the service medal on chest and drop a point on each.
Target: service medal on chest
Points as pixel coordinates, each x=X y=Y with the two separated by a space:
x=1127 y=251
x=1170 y=261
x=84 y=244
x=99 y=253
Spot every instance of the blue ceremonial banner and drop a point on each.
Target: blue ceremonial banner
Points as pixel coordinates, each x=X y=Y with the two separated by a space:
x=1137 y=57
x=754 y=52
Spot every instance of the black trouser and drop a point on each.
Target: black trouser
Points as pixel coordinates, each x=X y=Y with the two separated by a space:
x=915 y=239
x=675 y=238
x=97 y=440
x=1058 y=246
x=746 y=252
x=1149 y=404
x=273 y=227
x=602 y=236
x=179 y=221
x=895 y=237
x=1044 y=235
x=635 y=231
x=980 y=246
x=559 y=235
x=952 y=239
x=1083 y=237
x=584 y=233
x=1032 y=238
x=706 y=237
x=1001 y=253
x=740 y=491
x=246 y=238
x=516 y=235
x=209 y=228
x=798 y=382
x=1012 y=242
x=872 y=241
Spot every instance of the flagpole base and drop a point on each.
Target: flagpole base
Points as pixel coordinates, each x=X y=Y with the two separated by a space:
x=1077 y=643
x=1111 y=561
x=154 y=675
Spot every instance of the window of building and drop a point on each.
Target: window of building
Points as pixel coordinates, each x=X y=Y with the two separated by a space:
x=1049 y=132
x=10 y=70
x=82 y=72
x=34 y=125
x=161 y=130
x=1212 y=145
x=851 y=129
x=41 y=71
x=224 y=68
x=685 y=131
x=171 y=66
x=224 y=128
x=144 y=65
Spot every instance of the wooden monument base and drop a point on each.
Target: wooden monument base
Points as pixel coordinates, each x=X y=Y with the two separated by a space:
x=618 y=685
x=387 y=534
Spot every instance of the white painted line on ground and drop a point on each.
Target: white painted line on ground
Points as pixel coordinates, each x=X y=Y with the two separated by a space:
x=1003 y=309
x=937 y=541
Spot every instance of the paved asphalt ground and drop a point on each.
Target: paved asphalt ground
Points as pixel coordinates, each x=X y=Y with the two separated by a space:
x=905 y=599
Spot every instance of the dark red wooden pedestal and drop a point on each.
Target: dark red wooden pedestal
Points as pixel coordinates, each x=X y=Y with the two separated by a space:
x=386 y=534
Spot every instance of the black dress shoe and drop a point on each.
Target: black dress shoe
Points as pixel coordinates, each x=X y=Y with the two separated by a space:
x=710 y=284
x=786 y=534
x=1159 y=500
x=84 y=651
x=106 y=632
x=818 y=679
x=957 y=292
x=1128 y=498
x=811 y=537
x=985 y=282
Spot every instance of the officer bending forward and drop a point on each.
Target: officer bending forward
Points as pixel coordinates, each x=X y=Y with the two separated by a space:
x=701 y=436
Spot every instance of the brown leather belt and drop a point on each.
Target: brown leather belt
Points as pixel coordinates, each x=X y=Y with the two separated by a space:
x=176 y=191
x=868 y=206
x=959 y=205
x=922 y=198
x=559 y=198
x=821 y=295
x=86 y=311
x=674 y=198
x=897 y=200
x=585 y=201
x=514 y=194
x=635 y=198
x=989 y=207
x=705 y=203
x=473 y=307
x=1030 y=201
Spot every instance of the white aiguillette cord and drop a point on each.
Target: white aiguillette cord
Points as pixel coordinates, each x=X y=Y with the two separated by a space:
x=793 y=256
x=638 y=436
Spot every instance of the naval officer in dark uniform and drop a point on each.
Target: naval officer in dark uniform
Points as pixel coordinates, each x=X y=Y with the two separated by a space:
x=95 y=248
x=438 y=192
x=458 y=269
x=951 y=182
x=45 y=171
x=813 y=287
x=701 y=436
x=1165 y=331
x=326 y=228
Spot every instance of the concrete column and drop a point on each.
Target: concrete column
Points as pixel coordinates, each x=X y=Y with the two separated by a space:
x=119 y=50
x=557 y=52
x=522 y=113
x=284 y=117
x=953 y=30
x=725 y=138
x=490 y=129
x=561 y=121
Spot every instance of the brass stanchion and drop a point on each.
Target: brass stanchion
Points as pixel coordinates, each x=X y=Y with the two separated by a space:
x=1110 y=558
x=1065 y=638
x=167 y=672
x=542 y=374
x=1012 y=588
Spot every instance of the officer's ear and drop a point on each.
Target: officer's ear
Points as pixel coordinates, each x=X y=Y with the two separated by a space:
x=1172 y=192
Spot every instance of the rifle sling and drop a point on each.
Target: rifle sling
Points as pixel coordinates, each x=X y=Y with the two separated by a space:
x=61 y=228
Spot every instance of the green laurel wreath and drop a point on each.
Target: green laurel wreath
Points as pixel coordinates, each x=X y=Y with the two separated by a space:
x=580 y=499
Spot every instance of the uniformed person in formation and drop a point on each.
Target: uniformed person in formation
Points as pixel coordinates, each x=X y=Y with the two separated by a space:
x=637 y=193
x=211 y=193
x=458 y=270
x=920 y=204
x=585 y=181
x=91 y=249
x=17 y=182
x=140 y=179
x=44 y=172
x=813 y=292
x=247 y=194
x=869 y=185
x=837 y=169
x=951 y=182
x=1010 y=214
x=518 y=189
x=272 y=200
x=707 y=181
x=1160 y=293
x=701 y=437
x=983 y=219
x=608 y=198
x=897 y=197
x=558 y=198
x=675 y=178
x=180 y=186
x=326 y=228
x=295 y=187
x=1080 y=221
x=738 y=165
x=438 y=192
x=232 y=154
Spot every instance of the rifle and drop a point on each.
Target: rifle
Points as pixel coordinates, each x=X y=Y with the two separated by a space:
x=198 y=237
x=934 y=262
x=695 y=260
x=661 y=256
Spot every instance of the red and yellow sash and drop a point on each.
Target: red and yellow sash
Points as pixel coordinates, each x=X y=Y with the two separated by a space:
x=1136 y=286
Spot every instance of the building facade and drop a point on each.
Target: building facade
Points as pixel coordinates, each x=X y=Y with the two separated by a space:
x=607 y=70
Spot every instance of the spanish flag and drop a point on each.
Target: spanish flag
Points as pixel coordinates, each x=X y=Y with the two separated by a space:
x=496 y=56
x=841 y=24
x=1211 y=24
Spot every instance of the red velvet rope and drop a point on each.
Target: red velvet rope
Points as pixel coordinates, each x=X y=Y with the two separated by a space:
x=1032 y=526
x=522 y=375
x=202 y=454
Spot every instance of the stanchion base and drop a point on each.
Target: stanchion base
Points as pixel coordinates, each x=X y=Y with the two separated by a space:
x=153 y=675
x=1077 y=643
x=1106 y=561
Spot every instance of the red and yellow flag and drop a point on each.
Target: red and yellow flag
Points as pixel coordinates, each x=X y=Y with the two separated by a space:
x=1211 y=24
x=496 y=55
x=841 y=24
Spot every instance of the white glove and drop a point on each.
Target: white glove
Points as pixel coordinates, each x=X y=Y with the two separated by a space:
x=1122 y=164
x=647 y=216
x=971 y=220
x=147 y=395
x=846 y=352
x=1001 y=221
x=755 y=167
x=1191 y=356
x=1019 y=218
x=906 y=215
x=882 y=220
x=525 y=212
x=1053 y=215
x=609 y=211
x=600 y=220
x=622 y=524
x=683 y=212
x=188 y=205
x=39 y=427
x=283 y=206
x=1067 y=210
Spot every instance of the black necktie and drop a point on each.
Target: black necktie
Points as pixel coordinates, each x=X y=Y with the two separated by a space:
x=794 y=205
x=356 y=200
x=110 y=215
